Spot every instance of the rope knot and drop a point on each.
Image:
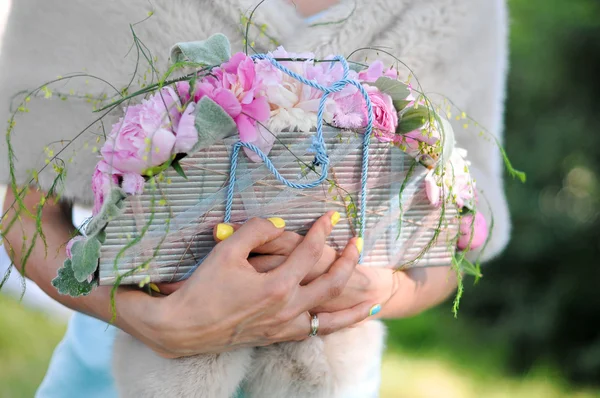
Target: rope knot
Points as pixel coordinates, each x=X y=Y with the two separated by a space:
x=321 y=159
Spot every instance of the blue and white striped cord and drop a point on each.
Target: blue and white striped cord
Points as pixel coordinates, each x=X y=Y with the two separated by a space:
x=321 y=158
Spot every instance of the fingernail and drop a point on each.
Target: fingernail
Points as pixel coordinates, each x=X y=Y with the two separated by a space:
x=335 y=218
x=360 y=242
x=376 y=309
x=224 y=231
x=277 y=222
x=154 y=287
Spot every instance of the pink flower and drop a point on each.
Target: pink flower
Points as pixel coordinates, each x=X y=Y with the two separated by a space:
x=238 y=90
x=187 y=135
x=103 y=180
x=143 y=138
x=479 y=231
x=385 y=115
x=294 y=105
x=133 y=184
x=71 y=243
x=375 y=71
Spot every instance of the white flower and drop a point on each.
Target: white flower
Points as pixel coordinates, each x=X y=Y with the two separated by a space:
x=452 y=182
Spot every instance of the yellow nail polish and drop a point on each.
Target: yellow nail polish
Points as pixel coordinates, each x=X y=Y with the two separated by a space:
x=154 y=287
x=360 y=242
x=335 y=218
x=277 y=222
x=224 y=231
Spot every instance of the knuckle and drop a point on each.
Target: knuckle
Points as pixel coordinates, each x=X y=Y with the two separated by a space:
x=284 y=317
x=336 y=288
x=270 y=334
x=278 y=292
x=313 y=251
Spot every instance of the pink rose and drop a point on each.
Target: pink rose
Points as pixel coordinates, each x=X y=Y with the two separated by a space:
x=480 y=231
x=143 y=138
x=385 y=115
x=104 y=179
x=71 y=243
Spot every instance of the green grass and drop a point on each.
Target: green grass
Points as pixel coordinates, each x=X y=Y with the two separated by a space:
x=27 y=339
x=429 y=356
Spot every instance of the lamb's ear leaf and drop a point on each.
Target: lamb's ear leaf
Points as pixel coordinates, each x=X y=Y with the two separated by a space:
x=356 y=67
x=213 y=51
x=212 y=123
x=66 y=283
x=112 y=208
x=85 y=256
x=177 y=167
x=394 y=88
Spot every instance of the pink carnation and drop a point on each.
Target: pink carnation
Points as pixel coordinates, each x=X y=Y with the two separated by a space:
x=144 y=137
x=133 y=184
x=351 y=112
x=479 y=232
x=103 y=180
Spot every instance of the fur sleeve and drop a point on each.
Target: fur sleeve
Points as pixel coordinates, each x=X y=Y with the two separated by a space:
x=456 y=49
x=48 y=38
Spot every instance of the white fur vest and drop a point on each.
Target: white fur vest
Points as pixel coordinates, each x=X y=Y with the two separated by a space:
x=456 y=48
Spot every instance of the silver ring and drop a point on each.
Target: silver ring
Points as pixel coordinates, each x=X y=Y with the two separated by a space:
x=314 y=326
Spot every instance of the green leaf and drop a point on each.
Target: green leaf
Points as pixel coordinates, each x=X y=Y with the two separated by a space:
x=178 y=169
x=213 y=51
x=356 y=67
x=66 y=283
x=401 y=104
x=86 y=254
x=395 y=89
x=413 y=119
x=212 y=123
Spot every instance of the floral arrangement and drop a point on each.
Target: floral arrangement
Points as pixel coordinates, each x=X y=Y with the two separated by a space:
x=252 y=98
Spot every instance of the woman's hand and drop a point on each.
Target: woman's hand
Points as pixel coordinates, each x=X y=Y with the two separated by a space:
x=227 y=304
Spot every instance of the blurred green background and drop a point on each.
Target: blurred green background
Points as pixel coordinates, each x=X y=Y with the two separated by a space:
x=529 y=327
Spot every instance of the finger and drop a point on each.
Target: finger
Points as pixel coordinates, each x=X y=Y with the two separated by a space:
x=300 y=328
x=308 y=252
x=284 y=245
x=335 y=321
x=331 y=284
x=266 y=263
x=166 y=288
x=252 y=234
x=223 y=231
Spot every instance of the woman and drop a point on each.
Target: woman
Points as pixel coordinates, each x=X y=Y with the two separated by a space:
x=456 y=48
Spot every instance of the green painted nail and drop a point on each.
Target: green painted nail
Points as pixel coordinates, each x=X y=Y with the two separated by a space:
x=375 y=310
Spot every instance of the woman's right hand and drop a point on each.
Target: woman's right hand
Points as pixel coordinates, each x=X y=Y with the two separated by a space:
x=227 y=304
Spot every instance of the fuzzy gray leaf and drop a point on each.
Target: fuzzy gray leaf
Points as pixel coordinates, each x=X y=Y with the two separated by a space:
x=86 y=254
x=395 y=89
x=212 y=123
x=213 y=51
x=66 y=283
x=112 y=208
